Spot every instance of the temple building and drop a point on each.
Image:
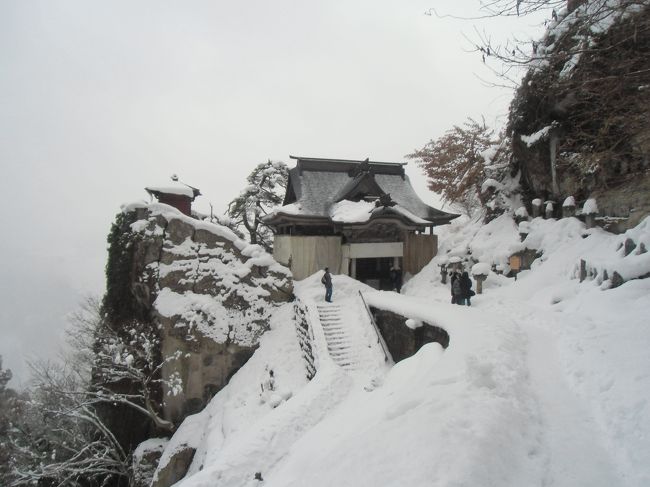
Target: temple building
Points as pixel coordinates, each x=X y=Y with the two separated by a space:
x=358 y=218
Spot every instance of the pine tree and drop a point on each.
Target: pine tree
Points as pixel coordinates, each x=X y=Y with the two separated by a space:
x=265 y=190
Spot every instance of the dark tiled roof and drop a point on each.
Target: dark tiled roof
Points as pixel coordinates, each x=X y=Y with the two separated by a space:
x=319 y=183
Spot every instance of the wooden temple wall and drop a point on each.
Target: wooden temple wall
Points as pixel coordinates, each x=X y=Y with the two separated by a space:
x=418 y=252
x=306 y=255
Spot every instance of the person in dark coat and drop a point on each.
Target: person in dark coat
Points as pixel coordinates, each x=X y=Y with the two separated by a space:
x=466 y=288
x=327 y=282
x=456 y=290
x=395 y=275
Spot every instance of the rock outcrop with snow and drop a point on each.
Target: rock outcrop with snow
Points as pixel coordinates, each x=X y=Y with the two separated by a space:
x=209 y=292
x=578 y=122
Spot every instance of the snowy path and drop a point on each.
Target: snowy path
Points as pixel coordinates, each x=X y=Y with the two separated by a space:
x=573 y=446
x=572 y=441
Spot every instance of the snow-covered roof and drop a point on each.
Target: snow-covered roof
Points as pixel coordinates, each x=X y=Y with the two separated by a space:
x=175 y=187
x=318 y=187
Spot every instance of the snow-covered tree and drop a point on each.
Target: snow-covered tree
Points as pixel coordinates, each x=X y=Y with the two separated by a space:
x=126 y=371
x=455 y=164
x=64 y=432
x=265 y=189
x=7 y=399
x=580 y=21
x=58 y=437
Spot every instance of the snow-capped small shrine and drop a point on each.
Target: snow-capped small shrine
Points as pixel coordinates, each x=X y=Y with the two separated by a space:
x=358 y=218
x=176 y=194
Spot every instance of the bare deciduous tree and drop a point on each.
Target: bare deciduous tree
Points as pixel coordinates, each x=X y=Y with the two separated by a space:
x=454 y=163
x=58 y=433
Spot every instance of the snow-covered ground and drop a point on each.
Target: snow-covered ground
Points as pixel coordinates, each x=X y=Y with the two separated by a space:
x=546 y=381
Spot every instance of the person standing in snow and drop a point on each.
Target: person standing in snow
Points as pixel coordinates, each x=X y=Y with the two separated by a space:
x=395 y=279
x=465 y=288
x=456 y=291
x=327 y=282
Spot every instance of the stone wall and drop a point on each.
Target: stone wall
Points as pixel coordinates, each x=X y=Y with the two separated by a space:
x=403 y=341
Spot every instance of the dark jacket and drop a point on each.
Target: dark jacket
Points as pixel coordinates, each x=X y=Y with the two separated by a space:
x=456 y=288
x=465 y=285
x=327 y=279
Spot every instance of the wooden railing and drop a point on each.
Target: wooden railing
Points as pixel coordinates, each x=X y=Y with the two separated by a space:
x=380 y=339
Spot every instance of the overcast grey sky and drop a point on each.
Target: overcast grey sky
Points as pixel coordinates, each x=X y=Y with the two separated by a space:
x=101 y=98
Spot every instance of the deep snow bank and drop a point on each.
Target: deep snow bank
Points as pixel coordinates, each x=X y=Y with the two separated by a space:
x=435 y=420
x=545 y=382
x=601 y=334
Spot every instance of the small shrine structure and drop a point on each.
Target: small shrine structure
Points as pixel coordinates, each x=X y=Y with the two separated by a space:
x=176 y=194
x=358 y=218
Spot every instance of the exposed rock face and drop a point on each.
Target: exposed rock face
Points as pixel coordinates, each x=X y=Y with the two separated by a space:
x=175 y=468
x=403 y=341
x=210 y=294
x=145 y=460
x=579 y=121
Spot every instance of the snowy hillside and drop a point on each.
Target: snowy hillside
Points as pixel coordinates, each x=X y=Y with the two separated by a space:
x=546 y=380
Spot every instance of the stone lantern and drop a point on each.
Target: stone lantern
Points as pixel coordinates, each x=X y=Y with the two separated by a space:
x=443 y=270
x=480 y=272
x=521 y=215
x=569 y=207
x=549 y=208
x=590 y=210
x=455 y=264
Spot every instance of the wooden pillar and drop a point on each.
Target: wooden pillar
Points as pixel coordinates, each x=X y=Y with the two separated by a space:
x=353 y=268
x=345 y=266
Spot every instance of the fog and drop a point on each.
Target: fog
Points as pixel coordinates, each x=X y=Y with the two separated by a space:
x=99 y=99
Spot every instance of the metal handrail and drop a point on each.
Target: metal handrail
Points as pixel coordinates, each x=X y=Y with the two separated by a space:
x=380 y=340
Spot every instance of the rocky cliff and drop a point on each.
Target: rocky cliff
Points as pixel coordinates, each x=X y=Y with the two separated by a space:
x=579 y=121
x=208 y=293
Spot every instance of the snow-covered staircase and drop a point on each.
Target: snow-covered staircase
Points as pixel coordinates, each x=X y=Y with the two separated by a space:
x=339 y=342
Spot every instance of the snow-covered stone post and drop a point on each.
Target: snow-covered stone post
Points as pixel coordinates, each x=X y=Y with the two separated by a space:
x=569 y=207
x=589 y=211
x=443 y=270
x=521 y=215
x=537 y=207
x=628 y=246
x=480 y=272
x=524 y=230
x=549 y=207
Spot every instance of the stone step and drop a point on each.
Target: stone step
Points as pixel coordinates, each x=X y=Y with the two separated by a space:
x=341 y=356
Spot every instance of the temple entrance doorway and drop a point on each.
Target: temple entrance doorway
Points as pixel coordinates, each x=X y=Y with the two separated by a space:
x=375 y=272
